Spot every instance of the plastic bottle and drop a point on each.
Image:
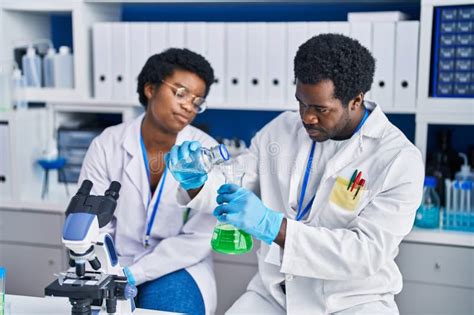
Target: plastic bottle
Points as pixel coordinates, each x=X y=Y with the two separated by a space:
x=31 y=63
x=48 y=68
x=465 y=173
x=3 y=273
x=200 y=162
x=427 y=215
x=18 y=90
x=63 y=69
x=226 y=238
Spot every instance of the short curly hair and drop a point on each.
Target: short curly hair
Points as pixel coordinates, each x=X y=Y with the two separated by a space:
x=343 y=60
x=159 y=66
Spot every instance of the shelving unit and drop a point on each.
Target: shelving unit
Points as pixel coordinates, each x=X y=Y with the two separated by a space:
x=29 y=20
x=432 y=110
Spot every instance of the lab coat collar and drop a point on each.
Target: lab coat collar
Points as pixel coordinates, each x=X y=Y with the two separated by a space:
x=135 y=167
x=376 y=123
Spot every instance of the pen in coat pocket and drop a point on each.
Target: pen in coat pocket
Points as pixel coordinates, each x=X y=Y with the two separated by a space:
x=361 y=184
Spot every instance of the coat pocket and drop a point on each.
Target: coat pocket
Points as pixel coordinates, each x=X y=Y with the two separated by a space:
x=345 y=198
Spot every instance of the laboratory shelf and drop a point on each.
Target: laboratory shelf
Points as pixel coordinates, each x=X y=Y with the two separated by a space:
x=440 y=237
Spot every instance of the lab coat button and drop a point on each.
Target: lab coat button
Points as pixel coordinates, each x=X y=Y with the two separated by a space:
x=289 y=277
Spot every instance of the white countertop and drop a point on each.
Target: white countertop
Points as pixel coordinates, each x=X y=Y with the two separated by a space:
x=440 y=237
x=27 y=305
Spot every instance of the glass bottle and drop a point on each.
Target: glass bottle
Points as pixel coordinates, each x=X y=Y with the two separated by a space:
x=226 y=238
x=199 y=162
x=427 y=215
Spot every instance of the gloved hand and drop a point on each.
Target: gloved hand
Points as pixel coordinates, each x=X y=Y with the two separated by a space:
x=180 y=153
x=129 y=275
x=244 y=210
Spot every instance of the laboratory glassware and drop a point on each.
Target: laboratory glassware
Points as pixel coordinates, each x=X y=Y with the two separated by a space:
x=427 y=215
x=227 y=239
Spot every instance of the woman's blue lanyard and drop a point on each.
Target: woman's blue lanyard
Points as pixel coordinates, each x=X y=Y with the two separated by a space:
x=300 y=214
x=160 y=190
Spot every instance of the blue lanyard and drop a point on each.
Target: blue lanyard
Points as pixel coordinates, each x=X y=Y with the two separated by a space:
x=300 y=214
x=160 y=190
x=366 y=114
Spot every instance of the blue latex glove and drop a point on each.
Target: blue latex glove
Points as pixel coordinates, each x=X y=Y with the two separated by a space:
x=244 y=210
x=178 y=153
x=129 y=275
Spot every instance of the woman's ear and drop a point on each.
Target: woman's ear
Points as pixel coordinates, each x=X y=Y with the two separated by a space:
x=149 y=89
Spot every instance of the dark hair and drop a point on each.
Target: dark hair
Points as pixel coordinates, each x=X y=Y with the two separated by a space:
x=344 y=61
x=159 y=66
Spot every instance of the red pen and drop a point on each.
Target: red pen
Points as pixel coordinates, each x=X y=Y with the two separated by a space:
x=356 y=181
x=361 y=184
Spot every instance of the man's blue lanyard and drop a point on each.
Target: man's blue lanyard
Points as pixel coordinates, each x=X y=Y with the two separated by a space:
x=300 y=214
x=160 y=190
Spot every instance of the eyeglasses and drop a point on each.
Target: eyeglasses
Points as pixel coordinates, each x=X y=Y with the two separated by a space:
x=182 y=93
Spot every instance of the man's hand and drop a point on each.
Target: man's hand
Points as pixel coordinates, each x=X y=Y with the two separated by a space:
x=244 y=210
x=183 y=153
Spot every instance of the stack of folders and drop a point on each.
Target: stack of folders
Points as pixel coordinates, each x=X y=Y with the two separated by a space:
x=253 y=62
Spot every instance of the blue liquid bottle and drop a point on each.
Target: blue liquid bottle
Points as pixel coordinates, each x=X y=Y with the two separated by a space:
x=427 y=215
x=199 y=162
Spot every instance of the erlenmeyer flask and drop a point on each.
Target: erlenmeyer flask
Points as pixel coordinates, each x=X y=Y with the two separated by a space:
x=226 y=238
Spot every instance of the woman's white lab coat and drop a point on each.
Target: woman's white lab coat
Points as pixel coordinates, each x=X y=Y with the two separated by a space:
x=342 y=254
x=174 y=244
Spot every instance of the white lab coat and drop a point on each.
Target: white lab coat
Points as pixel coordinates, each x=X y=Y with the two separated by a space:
x=116 y=155
x=336 y=258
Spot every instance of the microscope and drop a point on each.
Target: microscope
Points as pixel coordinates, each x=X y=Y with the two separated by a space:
x=95 y=274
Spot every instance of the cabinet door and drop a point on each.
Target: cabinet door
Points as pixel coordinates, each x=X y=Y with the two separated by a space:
x=30 y=269
x=31 y=227
x=436 y=264
x=231 y=280
x=425 y=298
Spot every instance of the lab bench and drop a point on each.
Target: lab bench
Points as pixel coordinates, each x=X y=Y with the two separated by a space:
x=437 y=265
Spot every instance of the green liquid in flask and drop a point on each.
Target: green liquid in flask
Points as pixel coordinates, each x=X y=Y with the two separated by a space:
x=227 y=239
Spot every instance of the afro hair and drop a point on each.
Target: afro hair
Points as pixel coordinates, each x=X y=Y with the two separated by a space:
x=344 y=61
x=160 y=66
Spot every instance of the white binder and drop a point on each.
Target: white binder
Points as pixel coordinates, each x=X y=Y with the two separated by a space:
x=176 y=35
x=317 y=28
x=384 y=53
x=362 y=32
x=276 y=68
x=158 y=37
x=297 y=35
x=406 y=63
x=102 y=61
x=139 y=41
x=120 y=60
x=257 y=56
x=215 y=54
x=236 y=64
x=339 y=28
x=196 y=37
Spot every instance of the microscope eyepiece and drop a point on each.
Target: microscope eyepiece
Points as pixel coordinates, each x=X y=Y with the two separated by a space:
x=113 y=190
x=85 y=188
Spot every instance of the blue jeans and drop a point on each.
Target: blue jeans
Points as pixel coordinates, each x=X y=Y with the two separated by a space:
x=174 y=292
